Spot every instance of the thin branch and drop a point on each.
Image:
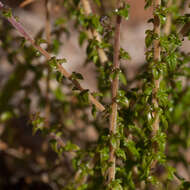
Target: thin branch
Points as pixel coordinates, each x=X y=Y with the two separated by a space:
x=94 y=33
x=26 y=2
x=48 y=25
x=61 y=69
x=157 y=58
x=167 y=27
x=157 y=50
x=114 y=106
x=48 y=38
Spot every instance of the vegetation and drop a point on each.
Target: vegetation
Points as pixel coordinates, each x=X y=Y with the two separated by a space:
x=143 y=131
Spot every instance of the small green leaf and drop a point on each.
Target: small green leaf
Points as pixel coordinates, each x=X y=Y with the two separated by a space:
x=84 y=96
x=53 y=63
x=7 y=13
x=156 y=73
x=71 y=147
x=121 y=153
x=104 y=154
x=60 y=21
x=98 y=2
x=41 y=41
x=82 y=38
x=76 y=76
x=171 y=172
x=123 y=12
x=114 y=141
x=5 y=116
x=132 y=148
x=59 y=94
x=124 y=54
x=122 y=78
x=148 y=3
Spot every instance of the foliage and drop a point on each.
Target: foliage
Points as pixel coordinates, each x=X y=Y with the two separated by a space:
x=145 y=158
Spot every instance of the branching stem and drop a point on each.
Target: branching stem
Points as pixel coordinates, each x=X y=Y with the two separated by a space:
x=61 y=69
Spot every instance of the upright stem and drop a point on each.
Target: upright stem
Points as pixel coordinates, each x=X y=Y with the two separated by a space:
x=114 y=106
x=157 y=50
x=48 y=38
x=94 y=33
x=167 y=27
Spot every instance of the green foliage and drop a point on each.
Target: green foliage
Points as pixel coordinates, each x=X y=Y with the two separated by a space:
x=137 y=146
x=123 y=12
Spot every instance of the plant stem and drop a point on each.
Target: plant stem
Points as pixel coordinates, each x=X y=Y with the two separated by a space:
x=48 y=38
x=157 y=50
x=61 y=69
x=167 y=27
x=26 y=2
x=114 y=106
x=94 y=33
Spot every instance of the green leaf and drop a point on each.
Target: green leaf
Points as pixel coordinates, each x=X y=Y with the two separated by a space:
x=60 y=21
x=94 y=111
x=123 y=12
x=132 y=148
x=122 y=99
x=5 y=116
x=82 y=38
x=98 y=2
x=156 y=73
x=7 y=13
x=84 y=96
x=148 y=3
x=71 y=147
x=149 y=38
x=122 y=78
x=41 y=41
x=54 y=145
x=115 y=185
x=53 y=63
x=114 y=141
x=55 y=46
x=164 y=121
x=59 y=94
x=76 y=76
x=121 y=153
x=171 y=172
x=124 y=54
x=104 y=154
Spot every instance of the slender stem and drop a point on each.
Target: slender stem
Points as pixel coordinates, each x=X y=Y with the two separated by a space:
x=157 y=50
x=167 y=27
x=61 y=69
x=114 y=106
x=48 y=38
x=94 y=33
x=157 y=58
x=26 y=2
x=48 y=25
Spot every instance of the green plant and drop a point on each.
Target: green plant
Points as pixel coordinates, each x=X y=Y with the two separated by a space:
x=148 y=125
